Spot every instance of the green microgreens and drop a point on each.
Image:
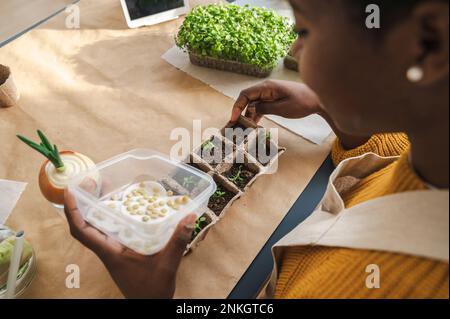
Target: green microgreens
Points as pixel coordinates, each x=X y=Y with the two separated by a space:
x=199 y=225
x=237 y=178
x=249 y=35
x=46 y=149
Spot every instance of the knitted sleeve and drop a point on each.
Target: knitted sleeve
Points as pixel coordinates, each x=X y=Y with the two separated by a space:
x=392 y=144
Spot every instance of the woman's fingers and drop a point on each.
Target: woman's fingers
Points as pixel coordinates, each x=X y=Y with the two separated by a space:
x=238 y=107
x=261 y=92
x=286 y=99
x=89 y=185
x=86 y=234
x=252 y=114
x=256 y=110
x=174 y=250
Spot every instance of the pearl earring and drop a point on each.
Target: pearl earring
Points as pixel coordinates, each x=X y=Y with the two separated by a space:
x=415 y=74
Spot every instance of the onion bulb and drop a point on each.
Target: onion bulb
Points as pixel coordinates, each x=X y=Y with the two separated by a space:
x=53 y=181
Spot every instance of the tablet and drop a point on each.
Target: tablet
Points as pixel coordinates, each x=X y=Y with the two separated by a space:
x=147 y=12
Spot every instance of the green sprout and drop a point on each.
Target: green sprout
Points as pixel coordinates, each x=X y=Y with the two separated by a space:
x=237 y=178
x=249 y=35
x=268 y=136
x=208 y=146
x=218 y=194
x=46 y=149
x=148 y=3
x=188 y=182
x=199 y=225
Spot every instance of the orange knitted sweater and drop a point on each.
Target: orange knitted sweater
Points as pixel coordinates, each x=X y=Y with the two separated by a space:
x=328 y=272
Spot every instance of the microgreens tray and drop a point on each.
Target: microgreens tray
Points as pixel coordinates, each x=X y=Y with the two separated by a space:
x=247 y=40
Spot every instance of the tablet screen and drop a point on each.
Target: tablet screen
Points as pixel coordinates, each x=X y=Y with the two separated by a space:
x=143 y=8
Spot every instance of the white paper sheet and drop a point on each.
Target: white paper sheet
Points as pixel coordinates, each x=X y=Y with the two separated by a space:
x=10 y=192
x=313 y=128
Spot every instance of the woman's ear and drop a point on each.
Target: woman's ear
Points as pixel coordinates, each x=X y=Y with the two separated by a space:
x=432 y=64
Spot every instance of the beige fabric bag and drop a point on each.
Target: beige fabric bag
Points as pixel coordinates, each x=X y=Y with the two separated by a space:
x=414 y=223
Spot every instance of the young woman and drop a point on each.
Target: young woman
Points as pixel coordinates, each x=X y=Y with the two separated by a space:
x=381 y=229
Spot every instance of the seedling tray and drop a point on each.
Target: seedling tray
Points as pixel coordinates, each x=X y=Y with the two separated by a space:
x=243 y=157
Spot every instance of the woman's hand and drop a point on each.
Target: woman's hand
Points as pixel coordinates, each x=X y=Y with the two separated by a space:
x=136 y=275
x=283 y=98
x=289 y=100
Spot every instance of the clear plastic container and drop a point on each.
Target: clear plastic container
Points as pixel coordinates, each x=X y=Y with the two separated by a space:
x=139 y=197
